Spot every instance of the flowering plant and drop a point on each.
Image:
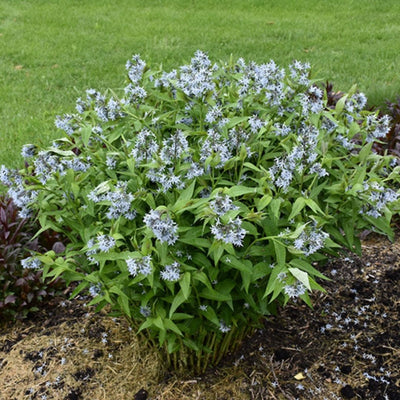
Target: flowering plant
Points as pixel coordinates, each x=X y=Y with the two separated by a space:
x=202 y=198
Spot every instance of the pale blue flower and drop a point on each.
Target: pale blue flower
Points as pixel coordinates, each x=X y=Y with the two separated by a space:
x=223 y=327
x=31 y=263
x=231 y=232
x=67 y=123
x=105 y=243
x=163 y=227
x=139 y=266
x=28 y=150
x=171 y=272
x=222 y=204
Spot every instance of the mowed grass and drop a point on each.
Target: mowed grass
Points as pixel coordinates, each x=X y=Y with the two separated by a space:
x=52 y=51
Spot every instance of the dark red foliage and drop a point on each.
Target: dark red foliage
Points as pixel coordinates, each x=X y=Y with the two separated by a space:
x=332 y=96
x=22 y=290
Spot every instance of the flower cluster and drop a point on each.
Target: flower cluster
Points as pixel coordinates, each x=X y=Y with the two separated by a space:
x=310 y=241
x=119 y=201
x=379 y=198
x=377 y=127
x=106 y=110
x=311 y=101
x=302 y=156
x=166 y=178
x=196 y=79
x=264 y=79
x=146 y=146
x=28 y=150
x=23 y=199
x=163 y=227
x=139 y=266
x=300 y=72
x=102 y=243
x=296 y=290
x=67 y=123
x=230 y=232
x=171 y=272
x=222 y=204
x=31 y=263
x=174 y=147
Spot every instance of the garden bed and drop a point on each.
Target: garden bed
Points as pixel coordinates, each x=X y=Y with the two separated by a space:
x=346 y=347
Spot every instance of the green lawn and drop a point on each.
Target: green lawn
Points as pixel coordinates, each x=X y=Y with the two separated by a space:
x=51 y=51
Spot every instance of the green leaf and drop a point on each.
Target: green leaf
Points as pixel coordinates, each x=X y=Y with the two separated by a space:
x=301 y=276
x=250 y=228
x=306 y=266
x=82 y=286
x=241 y=190
x=104 y=187
x=195 y=241
x=252 y=167
x=63 y=153
x=275 y=206
x=178 y=300
x=280 y=252
x=241 y=265
x=181 y=316
x=210 y=314
x=146 y=324
x=235 y=121
x=203 y=278
x=184 y=283
x=394 y=174
x=184 y=198
x=172 y=346
x=113 y=256
x=98 y=300
x=159 y=323
x=382 y=225
x=365 y=152
x=348 y=228
x=123 y=299
x=340 y=104
x=306 y=298
x=200 y=259
x=273 y=281
x=278 y=289
x=298 y=205
x=150 y=200
x=212 y=294
x=216 y=250
x=191 y=344
x=162 y=250
x=313 y=205
x=263 y=202
x=86 y=132
x=244 y=266
x=168 y=324
x=131 y=163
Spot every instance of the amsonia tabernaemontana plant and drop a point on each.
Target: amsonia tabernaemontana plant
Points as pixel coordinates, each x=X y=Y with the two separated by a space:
x=199 y=199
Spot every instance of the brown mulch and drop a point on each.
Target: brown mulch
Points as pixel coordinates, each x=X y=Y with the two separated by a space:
x=346 y=347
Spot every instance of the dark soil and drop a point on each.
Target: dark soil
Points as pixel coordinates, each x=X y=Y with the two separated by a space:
x=347 y=347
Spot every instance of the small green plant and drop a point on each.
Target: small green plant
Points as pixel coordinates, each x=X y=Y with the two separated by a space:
x=22 y=288
x=203 y=198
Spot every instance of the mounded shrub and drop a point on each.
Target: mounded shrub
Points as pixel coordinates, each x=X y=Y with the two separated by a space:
x=200 y=199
